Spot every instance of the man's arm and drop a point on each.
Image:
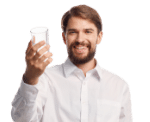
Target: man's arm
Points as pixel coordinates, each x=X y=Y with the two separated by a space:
x=29 y=102
x=126 y=114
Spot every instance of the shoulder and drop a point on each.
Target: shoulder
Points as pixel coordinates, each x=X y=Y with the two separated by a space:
x=112 y=78
x=54 y=70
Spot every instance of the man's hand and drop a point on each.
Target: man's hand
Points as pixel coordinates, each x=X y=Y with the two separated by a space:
x=35 y=62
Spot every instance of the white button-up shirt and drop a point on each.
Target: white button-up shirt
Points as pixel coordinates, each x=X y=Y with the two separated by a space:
x=64 y=94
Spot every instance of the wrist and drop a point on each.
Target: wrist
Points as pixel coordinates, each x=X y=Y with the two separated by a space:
x=29 y=81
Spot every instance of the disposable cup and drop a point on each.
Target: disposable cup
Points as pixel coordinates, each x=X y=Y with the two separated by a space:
x=41 y=33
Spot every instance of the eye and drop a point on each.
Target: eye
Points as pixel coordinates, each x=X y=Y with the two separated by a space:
x=88 y=31
x=71 y=32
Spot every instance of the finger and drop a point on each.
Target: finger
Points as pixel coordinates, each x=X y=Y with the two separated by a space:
x=29 y=46
x=45 y=56
x=34 y=48
x=48 y=61
x=33 y=39
x=41 y=52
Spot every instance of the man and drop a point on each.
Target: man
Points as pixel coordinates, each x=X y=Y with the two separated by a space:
x=78 y=90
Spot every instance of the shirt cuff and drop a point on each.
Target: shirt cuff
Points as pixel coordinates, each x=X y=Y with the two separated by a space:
x=29 y=92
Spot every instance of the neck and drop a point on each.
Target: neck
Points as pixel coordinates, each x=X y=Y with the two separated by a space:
x=87 y=66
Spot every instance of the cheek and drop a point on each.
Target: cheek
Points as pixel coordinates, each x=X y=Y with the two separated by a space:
x=70 y=40
x=93 y=37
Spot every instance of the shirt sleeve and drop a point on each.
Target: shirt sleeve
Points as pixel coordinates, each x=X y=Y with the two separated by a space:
x=29 y=101
x=126 y=114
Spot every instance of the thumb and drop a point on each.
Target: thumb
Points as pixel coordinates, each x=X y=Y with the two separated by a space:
x=33 y=40
x=29 y=46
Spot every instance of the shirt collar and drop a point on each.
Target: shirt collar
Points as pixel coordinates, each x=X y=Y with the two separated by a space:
x=69 y=68
x=97 y=70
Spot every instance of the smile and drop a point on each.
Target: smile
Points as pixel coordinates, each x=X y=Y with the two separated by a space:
x=80 y=49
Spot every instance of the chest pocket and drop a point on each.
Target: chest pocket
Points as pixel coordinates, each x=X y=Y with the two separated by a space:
x=108 y=111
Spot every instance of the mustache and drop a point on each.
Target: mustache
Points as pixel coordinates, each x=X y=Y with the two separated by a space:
x=81 y=43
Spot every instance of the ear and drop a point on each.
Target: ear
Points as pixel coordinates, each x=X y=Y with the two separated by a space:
x=99 y=38
x=63 y=35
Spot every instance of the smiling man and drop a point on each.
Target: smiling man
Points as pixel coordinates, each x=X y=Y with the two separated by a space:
x=81 y=37
x=78 y=90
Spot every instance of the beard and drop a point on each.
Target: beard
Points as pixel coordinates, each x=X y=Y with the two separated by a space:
x=81 y=60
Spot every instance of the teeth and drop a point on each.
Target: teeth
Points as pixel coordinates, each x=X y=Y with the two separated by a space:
x=80 y=47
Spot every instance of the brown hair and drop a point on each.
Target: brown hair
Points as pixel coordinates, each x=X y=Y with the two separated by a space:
x=84 y=12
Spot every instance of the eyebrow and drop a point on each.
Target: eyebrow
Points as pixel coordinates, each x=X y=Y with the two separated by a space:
x=72 y=29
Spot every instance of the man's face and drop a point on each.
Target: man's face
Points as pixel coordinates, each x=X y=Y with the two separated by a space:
x=81 y=39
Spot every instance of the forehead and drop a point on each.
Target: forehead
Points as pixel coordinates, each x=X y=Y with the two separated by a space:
x=79 y=23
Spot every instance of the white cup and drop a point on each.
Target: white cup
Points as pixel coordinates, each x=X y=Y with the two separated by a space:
x=39 y=34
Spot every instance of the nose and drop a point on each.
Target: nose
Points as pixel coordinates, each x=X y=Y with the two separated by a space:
x=80 y=37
